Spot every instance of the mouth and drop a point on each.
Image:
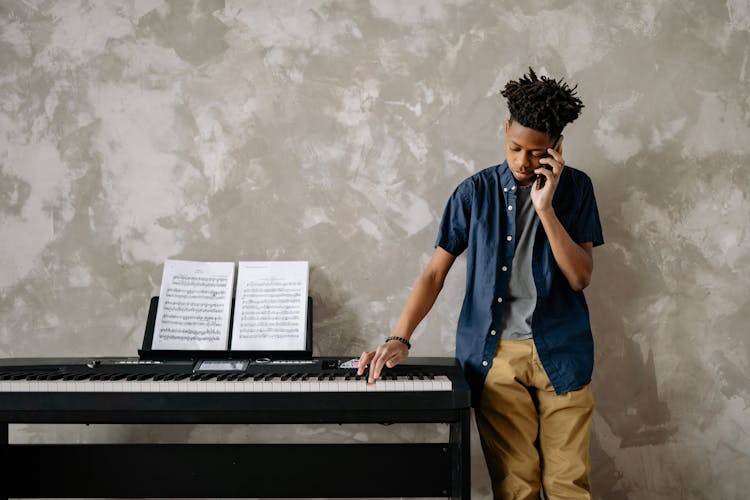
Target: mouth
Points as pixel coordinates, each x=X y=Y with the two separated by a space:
x=524 y=177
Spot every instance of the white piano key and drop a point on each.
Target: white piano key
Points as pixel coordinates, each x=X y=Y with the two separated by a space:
x=311 y=385
x=445 y=383
x=131 y=386
x=245 y=386
x=421 y=385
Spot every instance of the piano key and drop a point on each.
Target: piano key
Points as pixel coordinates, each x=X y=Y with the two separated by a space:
x=268 y=383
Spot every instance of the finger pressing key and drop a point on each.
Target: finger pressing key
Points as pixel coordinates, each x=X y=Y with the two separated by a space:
x=364 y=359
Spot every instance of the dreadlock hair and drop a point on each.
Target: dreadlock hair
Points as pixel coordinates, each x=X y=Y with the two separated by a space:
x=542 y=103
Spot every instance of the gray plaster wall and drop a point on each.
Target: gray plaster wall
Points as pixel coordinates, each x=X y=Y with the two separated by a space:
x=334 y=131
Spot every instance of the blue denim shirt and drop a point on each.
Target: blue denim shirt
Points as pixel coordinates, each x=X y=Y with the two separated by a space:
x=478 y=218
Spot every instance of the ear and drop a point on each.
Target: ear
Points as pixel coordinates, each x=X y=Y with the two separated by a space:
x=507 y=125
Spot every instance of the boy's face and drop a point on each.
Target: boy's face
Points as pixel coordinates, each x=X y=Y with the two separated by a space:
x=524 y=147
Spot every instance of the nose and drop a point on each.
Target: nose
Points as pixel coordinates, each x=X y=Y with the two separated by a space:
x=523 y=160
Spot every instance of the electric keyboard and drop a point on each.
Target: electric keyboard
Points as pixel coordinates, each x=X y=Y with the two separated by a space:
x=326 y=389
x=232 y=391
x=132 y=375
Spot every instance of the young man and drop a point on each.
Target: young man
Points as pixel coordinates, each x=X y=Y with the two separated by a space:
x=523 y=338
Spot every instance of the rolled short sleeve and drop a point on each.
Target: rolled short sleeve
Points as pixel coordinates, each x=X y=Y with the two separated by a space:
x=588 y=226
x=453 y=233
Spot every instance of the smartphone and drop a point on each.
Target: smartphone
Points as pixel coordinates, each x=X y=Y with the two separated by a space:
x=540 y=179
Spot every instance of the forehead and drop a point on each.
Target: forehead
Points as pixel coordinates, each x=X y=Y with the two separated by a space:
x=527 y=138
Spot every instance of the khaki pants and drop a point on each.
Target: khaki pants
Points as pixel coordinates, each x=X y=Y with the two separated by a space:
x=531 y=437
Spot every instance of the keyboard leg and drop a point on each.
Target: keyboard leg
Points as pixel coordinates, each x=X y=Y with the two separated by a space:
x=460 y=441
x=4 y=456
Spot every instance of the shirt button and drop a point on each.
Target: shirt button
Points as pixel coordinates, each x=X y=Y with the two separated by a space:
x=493 y=332
x=505 y=190
x=484 y=363
x=510 y=207
x=499 y=299
x=504 y=268
x=513 y=188
x=509 y=238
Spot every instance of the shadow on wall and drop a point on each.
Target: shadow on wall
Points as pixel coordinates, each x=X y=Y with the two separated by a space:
x=629 y=410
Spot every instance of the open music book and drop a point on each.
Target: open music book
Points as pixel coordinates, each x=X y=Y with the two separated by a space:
x=270 y=309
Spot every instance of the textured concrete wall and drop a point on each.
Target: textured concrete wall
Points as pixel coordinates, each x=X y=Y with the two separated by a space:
x=333 y=131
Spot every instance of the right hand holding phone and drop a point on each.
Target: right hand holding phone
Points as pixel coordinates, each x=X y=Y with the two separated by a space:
x=552 y=166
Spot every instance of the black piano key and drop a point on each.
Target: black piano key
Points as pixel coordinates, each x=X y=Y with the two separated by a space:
x=244 y=376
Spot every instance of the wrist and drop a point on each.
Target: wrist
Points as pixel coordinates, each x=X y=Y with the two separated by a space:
x=396 y=338
x=547 y=211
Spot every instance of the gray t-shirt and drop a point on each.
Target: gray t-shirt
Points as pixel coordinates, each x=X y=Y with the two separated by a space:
x=521 y=300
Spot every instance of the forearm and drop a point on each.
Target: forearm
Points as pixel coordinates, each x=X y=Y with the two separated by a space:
x=420 y=301
x=575 y=262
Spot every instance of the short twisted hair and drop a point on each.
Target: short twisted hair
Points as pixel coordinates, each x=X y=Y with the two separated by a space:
x=542 y=103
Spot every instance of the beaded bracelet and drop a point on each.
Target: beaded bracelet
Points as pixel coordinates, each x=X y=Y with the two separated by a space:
x=400 y=339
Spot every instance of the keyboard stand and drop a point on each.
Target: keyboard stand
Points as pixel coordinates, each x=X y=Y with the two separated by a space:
x=239 y=470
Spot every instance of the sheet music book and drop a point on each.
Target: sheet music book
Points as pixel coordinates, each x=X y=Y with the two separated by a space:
x=270 y=312
x=194 y=305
